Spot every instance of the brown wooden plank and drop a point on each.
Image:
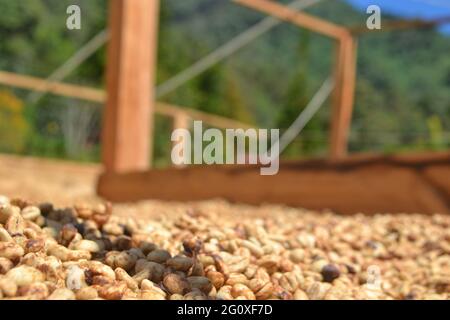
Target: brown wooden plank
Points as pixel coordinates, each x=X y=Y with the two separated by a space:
x=128 y=116
x=58 y=88
x=417 y=161
x=439 y=176
x=298 y=18
x=400 y=25
x=367 y=187
x=210 y=119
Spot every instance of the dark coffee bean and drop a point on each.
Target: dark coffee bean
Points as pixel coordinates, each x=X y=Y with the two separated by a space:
x=123 y=243
x=45 y=208
x=81 y=228
x=330 y=272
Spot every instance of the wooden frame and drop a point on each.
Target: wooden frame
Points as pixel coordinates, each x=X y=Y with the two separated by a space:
x=369 y=184
x=131 y=69
x=360 y=183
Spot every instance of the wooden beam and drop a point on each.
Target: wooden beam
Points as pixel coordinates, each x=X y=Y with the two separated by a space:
x=58 y=88
x=99 y=96
x=400 y=25
x=298 y=18
x=128 y=116
x=345 y=80
x=211 y=119
x=380 y=184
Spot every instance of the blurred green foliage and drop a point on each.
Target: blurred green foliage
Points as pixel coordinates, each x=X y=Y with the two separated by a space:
x=402 y=98
x=13 y=125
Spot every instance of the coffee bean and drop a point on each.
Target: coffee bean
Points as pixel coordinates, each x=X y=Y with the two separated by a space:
x=330 y=272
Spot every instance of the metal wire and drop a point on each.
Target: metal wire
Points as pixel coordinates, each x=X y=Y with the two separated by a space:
x=305 y=116
x=73 y=62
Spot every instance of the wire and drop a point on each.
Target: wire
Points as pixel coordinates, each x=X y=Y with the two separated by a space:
x=305 y=116
x=226 y=50
x=73 y=62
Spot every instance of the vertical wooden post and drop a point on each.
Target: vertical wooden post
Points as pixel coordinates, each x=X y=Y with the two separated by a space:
x=345 y=78
x=128 y=117
x=181 y=121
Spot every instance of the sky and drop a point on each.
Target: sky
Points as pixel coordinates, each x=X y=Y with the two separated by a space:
x=423 y=9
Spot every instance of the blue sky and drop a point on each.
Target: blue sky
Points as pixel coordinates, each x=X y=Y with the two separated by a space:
x=424 y=9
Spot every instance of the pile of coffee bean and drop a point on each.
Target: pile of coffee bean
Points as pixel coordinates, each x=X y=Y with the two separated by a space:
x=87 y=252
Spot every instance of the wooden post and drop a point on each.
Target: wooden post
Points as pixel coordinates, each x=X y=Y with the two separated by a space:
x=128 y=116
x=345 y=77
x=181 y=121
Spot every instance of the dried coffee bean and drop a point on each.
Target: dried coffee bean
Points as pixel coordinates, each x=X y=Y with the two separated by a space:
x=330 y=272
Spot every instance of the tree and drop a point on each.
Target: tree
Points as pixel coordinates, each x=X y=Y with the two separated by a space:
x=13 y=125
x=210 y=85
